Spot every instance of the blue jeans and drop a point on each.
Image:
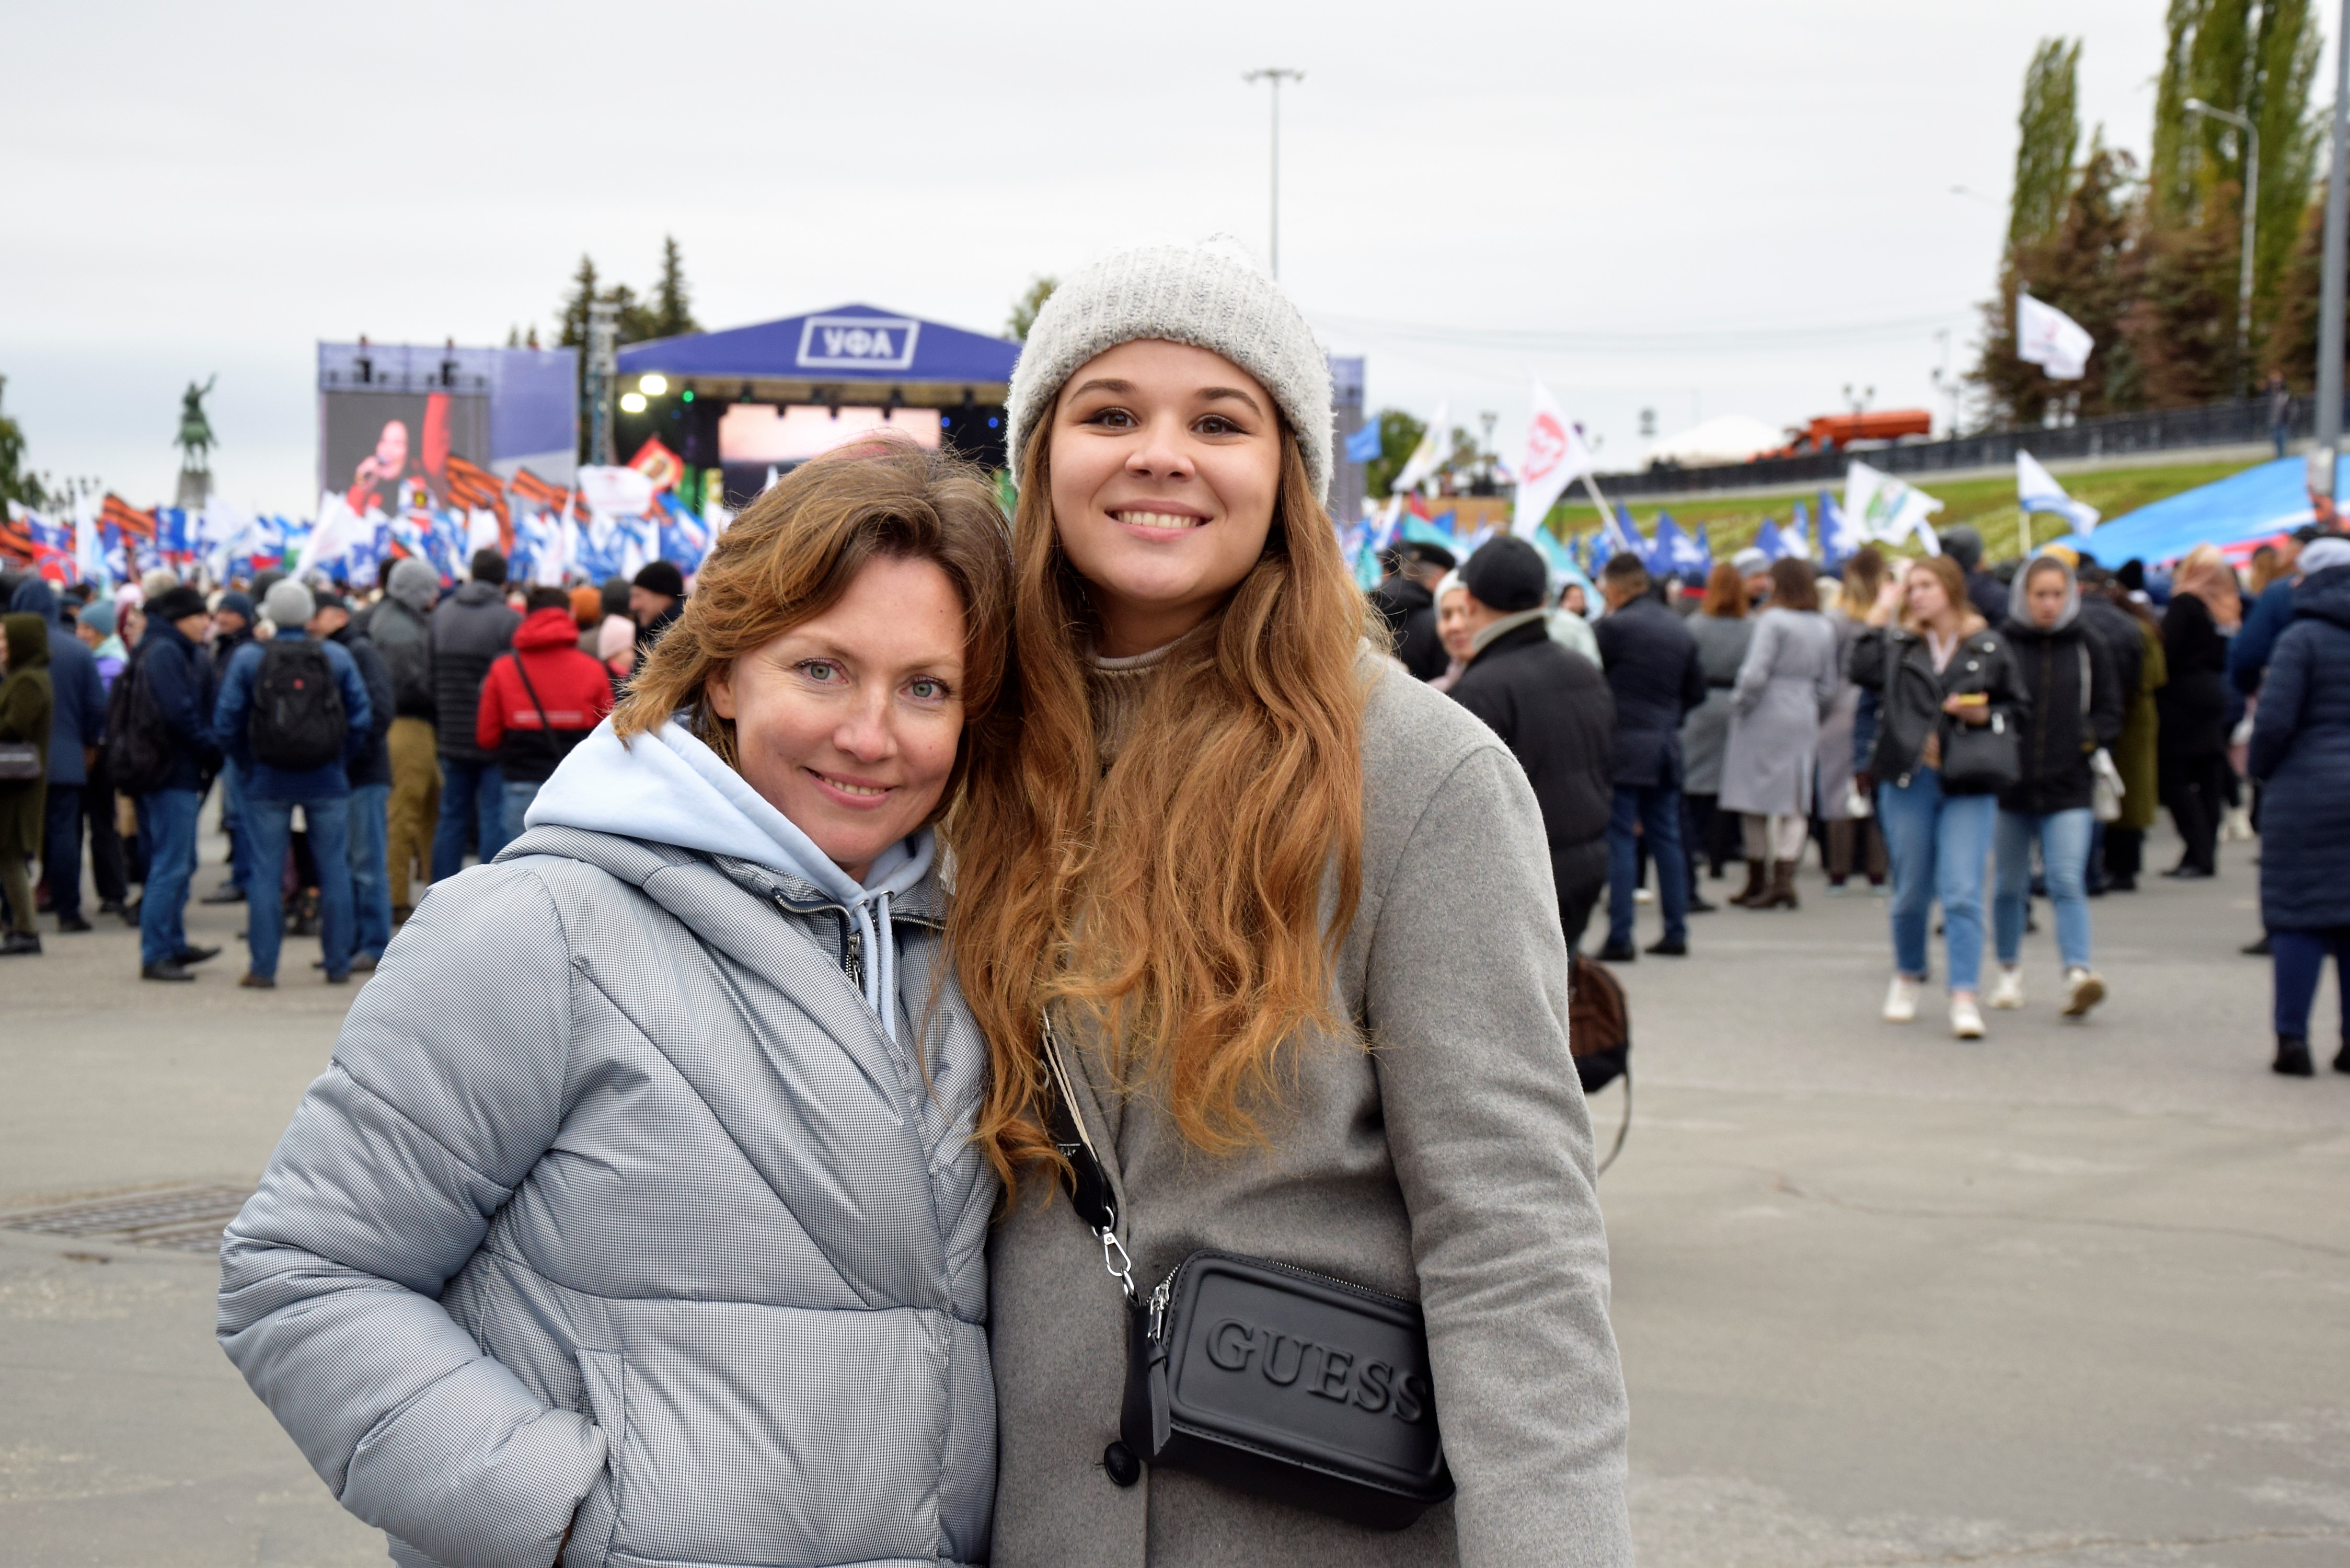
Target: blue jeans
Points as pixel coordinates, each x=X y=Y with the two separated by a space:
x=240 y=836
x=1938 y=844
x=2298 y=959
x=166 y=821
x=520 y=793
x=2064 y=853
x=370 y=877
x=271 y=822
x=473 y=795
x=1657 y=810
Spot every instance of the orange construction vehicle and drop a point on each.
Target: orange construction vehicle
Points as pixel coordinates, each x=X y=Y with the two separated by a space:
x=1832 y=432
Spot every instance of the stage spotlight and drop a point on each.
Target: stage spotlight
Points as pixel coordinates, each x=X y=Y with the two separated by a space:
x=632 y=403
x=652 y=385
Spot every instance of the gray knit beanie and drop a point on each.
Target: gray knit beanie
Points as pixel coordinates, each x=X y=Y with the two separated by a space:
x=1211 y=296
x=287 y=605
x=414 y=584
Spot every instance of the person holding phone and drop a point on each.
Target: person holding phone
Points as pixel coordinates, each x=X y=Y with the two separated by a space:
x=1935 y=666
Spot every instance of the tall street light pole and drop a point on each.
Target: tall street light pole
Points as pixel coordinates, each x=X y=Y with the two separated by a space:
x=2337 y=241
x=1277 y=75
x=2251 y=208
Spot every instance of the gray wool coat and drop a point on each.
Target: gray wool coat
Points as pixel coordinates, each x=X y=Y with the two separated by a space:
x=1451 y=1162
x=617 y=1197
x=1721 y=645
x=1785 y=687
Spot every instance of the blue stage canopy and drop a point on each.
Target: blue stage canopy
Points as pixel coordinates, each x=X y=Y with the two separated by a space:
x=2272 y=498
x=849 y=346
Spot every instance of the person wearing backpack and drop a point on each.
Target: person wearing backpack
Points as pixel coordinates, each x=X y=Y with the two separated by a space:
x=370 y=776
x=293 y=712
x=161 y=752
x=398 y=627
x=539 y=701
x=471 y=629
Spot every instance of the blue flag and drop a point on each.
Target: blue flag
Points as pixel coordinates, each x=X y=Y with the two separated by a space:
x=1363 y=446
x=1767 y=540
x=1679 y=555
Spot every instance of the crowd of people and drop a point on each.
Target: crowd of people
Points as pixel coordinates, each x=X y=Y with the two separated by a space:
x=1960 y=737
x=358 y=745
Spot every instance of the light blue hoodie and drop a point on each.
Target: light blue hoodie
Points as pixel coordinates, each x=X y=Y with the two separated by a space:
x=667 y=788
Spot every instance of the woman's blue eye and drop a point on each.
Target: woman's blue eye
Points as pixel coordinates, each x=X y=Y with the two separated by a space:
x=819 y=669
x=928 y=690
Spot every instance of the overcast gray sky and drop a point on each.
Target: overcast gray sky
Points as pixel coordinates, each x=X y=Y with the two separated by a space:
x=1754 y=201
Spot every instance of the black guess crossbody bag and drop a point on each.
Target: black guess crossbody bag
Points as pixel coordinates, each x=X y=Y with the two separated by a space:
x=1268 y=1378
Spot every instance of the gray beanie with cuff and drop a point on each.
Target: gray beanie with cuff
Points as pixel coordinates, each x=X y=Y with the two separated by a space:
x=1211 y=296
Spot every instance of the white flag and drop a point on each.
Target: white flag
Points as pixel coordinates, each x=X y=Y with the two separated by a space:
x=1889 y=510
x=339 y=529
x=1555 y=458
x=2036 y=490
x=2046 y=337
x=90 y=550
x=1425 y=458
x=617 y=491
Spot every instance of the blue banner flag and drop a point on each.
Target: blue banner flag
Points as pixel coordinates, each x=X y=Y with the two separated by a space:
x=1363 y=446
x=1767 y=539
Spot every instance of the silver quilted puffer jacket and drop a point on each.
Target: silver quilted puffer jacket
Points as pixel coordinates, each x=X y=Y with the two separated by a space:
x=619 y=1201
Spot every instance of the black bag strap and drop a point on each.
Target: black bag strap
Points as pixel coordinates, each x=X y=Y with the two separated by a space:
x=1088 y=1184
x=545 y=726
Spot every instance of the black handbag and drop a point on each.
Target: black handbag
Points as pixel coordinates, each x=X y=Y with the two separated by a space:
x=1264 y=1378
x=1982 y=759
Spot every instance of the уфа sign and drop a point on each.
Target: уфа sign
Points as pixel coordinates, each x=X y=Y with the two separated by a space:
x=858 y=343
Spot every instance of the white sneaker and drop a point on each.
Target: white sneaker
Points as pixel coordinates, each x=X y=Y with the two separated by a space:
x=1966 y=1020
x=1643 y=896
x=2007 y=992
x=2085 y=992
x=1901 y=1000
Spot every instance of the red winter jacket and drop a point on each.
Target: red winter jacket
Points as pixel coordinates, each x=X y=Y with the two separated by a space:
x=570 y=685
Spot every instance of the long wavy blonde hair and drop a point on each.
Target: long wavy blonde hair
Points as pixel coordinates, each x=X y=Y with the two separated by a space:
x=1174 y=901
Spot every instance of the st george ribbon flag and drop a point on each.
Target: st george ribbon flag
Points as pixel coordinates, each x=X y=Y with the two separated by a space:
x=2046 y=337
x=1889 y=510
x=1555 y=458
x=2036 y=490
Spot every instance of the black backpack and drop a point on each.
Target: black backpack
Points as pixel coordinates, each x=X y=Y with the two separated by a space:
x=297 y=722
x=140 y=756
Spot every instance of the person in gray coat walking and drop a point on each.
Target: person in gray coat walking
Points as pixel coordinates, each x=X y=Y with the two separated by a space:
x=1290 y=914
x=1770 y=772
x=638 y=1218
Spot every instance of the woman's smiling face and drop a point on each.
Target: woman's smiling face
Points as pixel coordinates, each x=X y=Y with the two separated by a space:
x=1166 y=463
x=848 y=723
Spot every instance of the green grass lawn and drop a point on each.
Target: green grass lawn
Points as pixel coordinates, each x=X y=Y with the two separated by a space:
x=1988 y=504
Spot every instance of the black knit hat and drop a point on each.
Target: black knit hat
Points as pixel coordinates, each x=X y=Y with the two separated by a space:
x=662 y=578
x=1508 y=574
x=175 y=604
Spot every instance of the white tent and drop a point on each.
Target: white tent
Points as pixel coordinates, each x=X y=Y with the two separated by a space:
x=1729 y=438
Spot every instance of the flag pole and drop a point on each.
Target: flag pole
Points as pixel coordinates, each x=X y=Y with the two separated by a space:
x=2338 y=257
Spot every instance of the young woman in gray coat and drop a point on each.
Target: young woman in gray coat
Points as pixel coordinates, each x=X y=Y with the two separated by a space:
x=638 y=1217
x=1288 y=913
x=1770 y=772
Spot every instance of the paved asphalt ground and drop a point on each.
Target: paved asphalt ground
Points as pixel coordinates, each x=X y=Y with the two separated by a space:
x=2078 y=1295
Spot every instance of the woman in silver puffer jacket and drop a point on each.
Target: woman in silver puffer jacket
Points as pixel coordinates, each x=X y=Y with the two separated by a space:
x=637 y=1218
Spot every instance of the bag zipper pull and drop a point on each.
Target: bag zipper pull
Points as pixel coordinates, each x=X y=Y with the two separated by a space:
x=1159 y=1306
